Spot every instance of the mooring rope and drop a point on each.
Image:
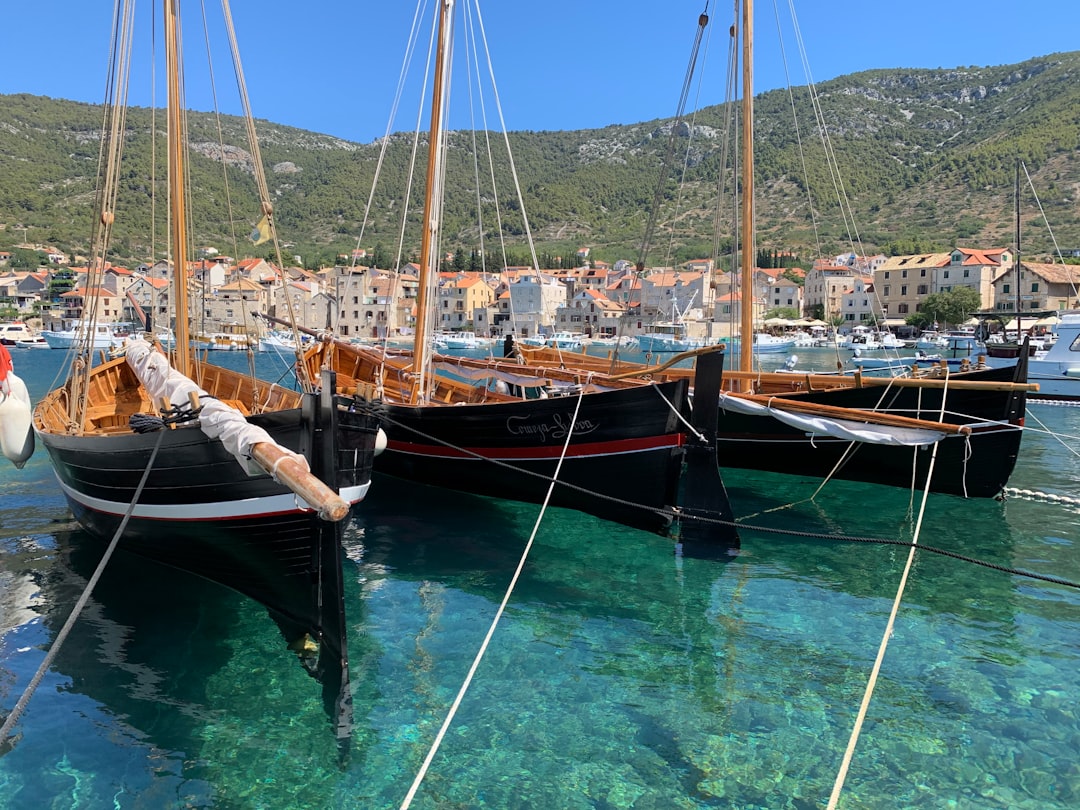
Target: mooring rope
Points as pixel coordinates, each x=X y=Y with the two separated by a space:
x=495 y=620
x=1061 y=403
x=672 y=514
x=83 y=599
x=838 y=785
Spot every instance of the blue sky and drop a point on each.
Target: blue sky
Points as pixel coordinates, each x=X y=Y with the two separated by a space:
x=332 y=66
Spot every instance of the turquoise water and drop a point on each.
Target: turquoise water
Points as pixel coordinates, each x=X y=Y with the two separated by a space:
x=621 y=675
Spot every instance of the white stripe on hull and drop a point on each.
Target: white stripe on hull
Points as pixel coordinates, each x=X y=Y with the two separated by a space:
x=213 y=510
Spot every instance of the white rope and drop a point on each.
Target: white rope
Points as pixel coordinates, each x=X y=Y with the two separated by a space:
x=675 y=411
x=872 y=682
x=13 y=718
x=494 y=622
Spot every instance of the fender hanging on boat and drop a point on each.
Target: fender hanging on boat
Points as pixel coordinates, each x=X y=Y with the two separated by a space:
x=16 y=429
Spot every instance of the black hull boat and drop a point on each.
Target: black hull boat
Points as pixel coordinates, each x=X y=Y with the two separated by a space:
x=976 y=465
x=636 y=455
x=195 y=466
x=622 y=464
x=201 y=512
x=990 y=401
x=170 y=492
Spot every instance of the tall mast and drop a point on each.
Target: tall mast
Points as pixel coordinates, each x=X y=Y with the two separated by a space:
x=1016 y=258
x=421 y=345
x=746 y=239
x=176 y=185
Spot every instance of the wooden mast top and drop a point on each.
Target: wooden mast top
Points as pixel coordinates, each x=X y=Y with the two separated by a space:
x=432 y=210
x=747 y=258
x=176 y=186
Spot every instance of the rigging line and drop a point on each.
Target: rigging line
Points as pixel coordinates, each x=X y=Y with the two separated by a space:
x=503 y=275
x=826 y=141
x=410 y=174
x=1060 y=438
x=495 y=620
x=470 y=53
x=307 y=383
x=229 y=204
x=654 y=211
x=871 y=683
x=885 y=541
x=54 y=650
x=726 y=155
x=1057 y=250
x=687 y=155
x=406 y=62
x=506 y=140
x=798 y=131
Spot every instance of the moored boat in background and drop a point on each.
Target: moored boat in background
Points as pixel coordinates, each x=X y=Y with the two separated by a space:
x=11 y=333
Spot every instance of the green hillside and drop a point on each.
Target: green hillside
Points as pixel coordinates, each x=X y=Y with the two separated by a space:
x=926 y=159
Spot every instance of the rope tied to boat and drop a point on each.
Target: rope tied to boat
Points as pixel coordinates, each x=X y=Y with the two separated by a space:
x=54 y=650
x=495 y=620
x=849 y=752
x=697 y=433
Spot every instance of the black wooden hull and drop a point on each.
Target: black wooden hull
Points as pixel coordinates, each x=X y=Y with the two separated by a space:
x=199 y=510
x=622 y=464
x=976 y=466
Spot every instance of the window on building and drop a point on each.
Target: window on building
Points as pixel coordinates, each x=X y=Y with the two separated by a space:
x=1004 y=288
x=1034 y=286
x=923 y=289
x=903 y=289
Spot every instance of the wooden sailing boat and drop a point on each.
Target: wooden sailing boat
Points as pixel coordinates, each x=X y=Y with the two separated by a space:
x=616 y=445
x=989 y=403
x=203 y=468
x=620 y=453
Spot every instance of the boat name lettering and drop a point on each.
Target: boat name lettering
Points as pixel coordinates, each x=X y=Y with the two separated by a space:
x=554 y=428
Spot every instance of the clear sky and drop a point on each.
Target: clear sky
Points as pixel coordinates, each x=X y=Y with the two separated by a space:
x=331 y=66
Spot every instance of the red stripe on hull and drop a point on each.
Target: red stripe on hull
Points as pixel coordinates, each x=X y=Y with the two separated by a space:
x=583 y=450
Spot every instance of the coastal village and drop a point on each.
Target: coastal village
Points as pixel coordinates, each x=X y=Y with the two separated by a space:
x=594 y=299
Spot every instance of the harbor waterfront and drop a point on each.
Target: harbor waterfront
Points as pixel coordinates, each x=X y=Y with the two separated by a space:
x=622 y=673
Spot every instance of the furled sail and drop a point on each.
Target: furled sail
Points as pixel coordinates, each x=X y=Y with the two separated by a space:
x=838 y=428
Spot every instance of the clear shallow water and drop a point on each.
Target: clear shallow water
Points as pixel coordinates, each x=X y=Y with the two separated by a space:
x=620 y=676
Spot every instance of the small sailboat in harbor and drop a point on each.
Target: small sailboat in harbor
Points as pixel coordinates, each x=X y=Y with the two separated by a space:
x=988 y=405
x=622 y=453
x=200 y=467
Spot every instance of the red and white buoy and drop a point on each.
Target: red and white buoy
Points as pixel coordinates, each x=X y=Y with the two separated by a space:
x=16 y=432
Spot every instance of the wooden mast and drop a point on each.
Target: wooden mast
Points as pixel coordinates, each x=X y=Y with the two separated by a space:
x=747 y=258
x=177 y=199
x=432 y=210
x=1016 y=260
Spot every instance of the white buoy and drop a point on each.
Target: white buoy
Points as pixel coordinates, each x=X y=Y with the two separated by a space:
x=16 y=430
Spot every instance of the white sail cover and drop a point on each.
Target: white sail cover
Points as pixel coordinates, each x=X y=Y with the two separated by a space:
x=217 y=420
x=838 y=428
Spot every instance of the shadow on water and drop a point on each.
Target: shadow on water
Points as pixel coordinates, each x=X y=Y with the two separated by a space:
x=171 y=653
